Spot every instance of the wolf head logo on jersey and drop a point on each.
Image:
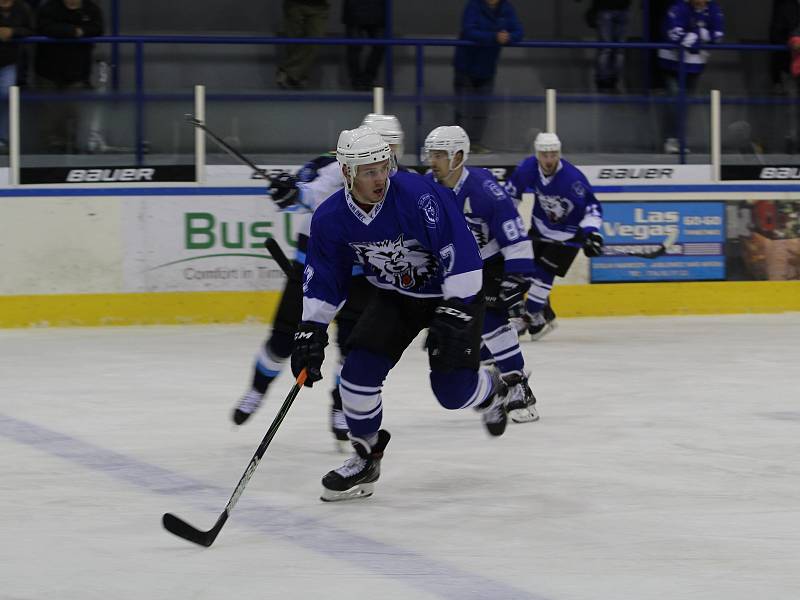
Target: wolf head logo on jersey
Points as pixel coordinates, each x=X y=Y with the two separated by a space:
x=556 y=208
x=402 y=263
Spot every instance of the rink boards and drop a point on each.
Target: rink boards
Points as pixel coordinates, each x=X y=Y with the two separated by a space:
x=120 y=253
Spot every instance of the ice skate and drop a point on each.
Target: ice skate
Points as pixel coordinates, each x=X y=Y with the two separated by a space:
x=357 y=476
x=493 y=410
x=247 y=406
x=539 y=326
x=519 y=400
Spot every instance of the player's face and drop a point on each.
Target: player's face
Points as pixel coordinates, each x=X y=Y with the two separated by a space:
x=440 y=164
x=548 y=161
x=371 y=181
x=699 y=4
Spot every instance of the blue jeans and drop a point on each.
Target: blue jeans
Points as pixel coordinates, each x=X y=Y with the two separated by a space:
x=611 y=27
x=8 y=77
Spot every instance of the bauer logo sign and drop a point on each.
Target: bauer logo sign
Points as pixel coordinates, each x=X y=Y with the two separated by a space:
x=82 y=175
x=760 y=173
x=601 y=175
x=614 y=175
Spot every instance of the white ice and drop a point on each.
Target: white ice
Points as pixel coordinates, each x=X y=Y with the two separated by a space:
x=665 y=466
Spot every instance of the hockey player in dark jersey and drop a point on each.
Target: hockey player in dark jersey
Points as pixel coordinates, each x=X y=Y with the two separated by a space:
x=564 y=210
x=303 y=193
x=416 y=248
x=507 y=258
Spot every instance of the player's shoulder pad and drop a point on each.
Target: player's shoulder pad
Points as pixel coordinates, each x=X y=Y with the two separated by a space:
x=423 y=196
x=330 y=206
x=482 y=181
x=309 y=171
x=528 y=165
x=579 y=185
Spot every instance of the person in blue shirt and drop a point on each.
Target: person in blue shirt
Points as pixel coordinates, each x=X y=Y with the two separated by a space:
x=689 y=23
x=491 y=24
x=566 y=216
x=303 y=193
x=507 y=258
x=416 y=249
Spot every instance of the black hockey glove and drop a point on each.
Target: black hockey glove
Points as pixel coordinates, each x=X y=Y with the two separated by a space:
x=593 y=244
x=310 y=340
x=283 y=189
x=512 y=294
x=454 y=336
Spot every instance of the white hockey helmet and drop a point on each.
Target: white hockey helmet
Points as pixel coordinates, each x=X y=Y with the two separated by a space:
x=450 y=139
x=547 y=142
x=360 y=146
x=387 y=125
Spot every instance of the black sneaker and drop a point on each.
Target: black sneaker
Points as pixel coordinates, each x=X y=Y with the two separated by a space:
x=357 y=476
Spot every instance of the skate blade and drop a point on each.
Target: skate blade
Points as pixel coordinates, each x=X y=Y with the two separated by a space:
x=544 y=331
x=363 y=490
x=523 y=415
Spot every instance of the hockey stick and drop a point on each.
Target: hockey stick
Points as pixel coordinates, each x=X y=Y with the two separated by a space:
x=182 y=529
x=277 y=253
x=261 y=173
x=662 y=248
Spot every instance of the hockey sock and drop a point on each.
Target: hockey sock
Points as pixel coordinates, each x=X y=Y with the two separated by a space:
x=461 y=388
x=360 y=388
x=270 y=359
x=501 y=339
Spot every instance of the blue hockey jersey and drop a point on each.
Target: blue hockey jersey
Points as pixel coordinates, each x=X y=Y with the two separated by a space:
x=564 y=203
x=493 y=219
x=414 y=241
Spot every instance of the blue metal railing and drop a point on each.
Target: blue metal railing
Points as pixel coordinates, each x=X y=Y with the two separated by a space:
x=418 y=97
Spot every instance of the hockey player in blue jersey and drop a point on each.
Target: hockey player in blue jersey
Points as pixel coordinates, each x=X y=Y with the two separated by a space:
x=564 y=210
x=507 y=258
x=303 y=193
x=416 y=248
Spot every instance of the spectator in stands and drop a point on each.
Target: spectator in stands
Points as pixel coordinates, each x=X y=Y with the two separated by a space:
x=491 y=24
x=610 y=18
x=689 y=23
x=24 y=62
x=784 y=21
x=367 y=19
x=16 y=21
x=657 y=12
x=65 y=68
x=301 y=19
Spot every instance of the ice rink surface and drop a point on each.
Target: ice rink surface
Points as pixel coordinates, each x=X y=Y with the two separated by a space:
x=665 y=466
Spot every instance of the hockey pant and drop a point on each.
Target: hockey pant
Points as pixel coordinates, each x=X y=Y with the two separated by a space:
x=388 y=326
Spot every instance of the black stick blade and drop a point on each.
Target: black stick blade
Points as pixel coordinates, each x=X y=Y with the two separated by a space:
x=182 y=529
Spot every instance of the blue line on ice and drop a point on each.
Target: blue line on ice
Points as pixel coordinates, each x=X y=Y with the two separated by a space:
x=407 y=567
